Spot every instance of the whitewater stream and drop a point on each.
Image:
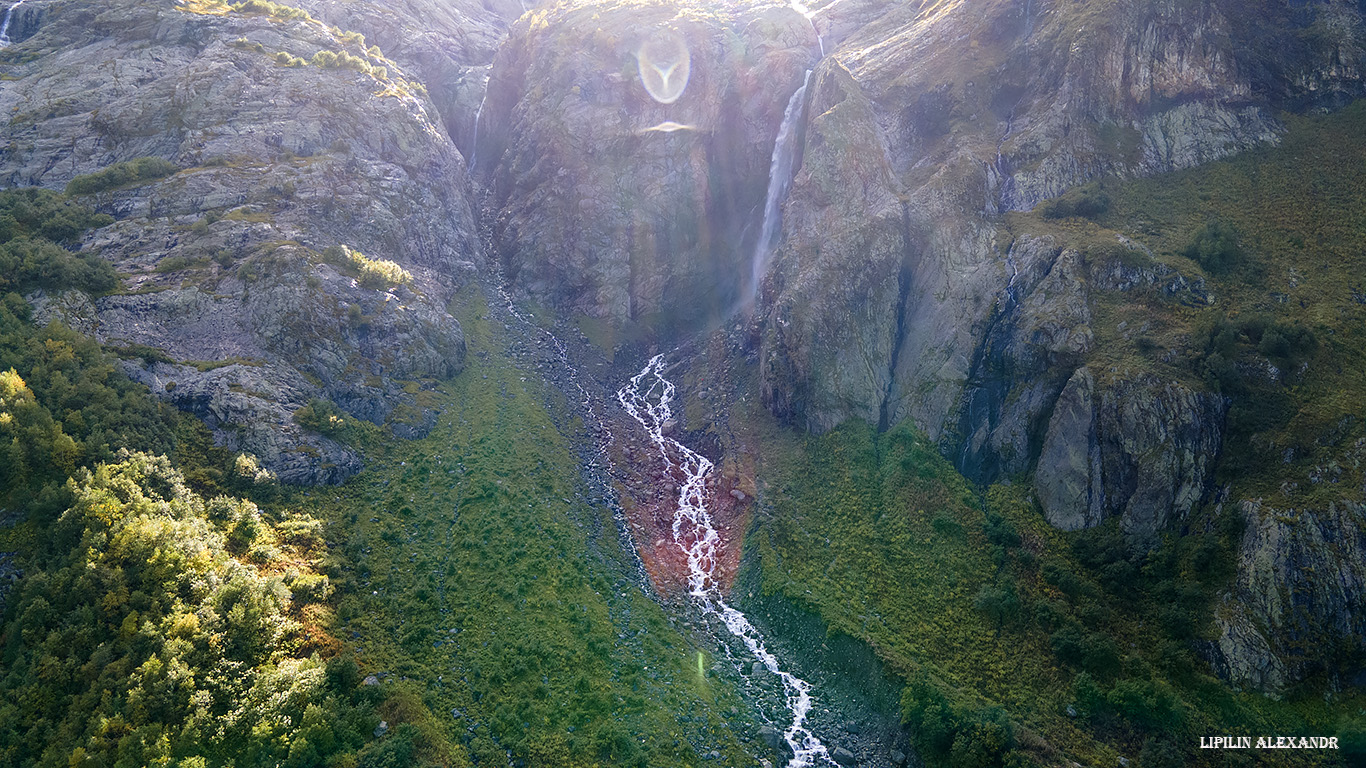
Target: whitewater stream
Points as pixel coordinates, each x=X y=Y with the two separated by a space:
x=648 y=399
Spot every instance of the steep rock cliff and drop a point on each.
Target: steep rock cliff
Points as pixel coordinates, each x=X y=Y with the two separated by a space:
x=980 y=108
x=447 y=46
x=292 y=139
x=610 y=203
x=1295 y=608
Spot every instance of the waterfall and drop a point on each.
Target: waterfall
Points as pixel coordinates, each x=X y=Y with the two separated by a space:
x=474 y=140
x=779 y=182
x=4 y=25
x=811 y=18
x=647 y=399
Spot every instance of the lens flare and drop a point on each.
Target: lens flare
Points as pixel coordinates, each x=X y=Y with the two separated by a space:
x=665 y=65
x=669 y=126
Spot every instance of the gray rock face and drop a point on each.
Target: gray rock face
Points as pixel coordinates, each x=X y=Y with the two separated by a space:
x=223 y=259
x=612 y=204
x=1136 y=447
x=1159 y=441
x=1296 y=607
x=1037 y=339
x=1068 y=478
x=447 y=45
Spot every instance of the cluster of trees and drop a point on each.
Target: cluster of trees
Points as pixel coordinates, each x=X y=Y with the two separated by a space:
x=1088 y=202
x=1215 y=248
x=950 y=733
x=160 y=621
x=65 y=402
x=140 y=638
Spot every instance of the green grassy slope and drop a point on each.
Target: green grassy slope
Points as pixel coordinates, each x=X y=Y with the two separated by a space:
x=999 y=623
x=469 y=566
x=1292 y=220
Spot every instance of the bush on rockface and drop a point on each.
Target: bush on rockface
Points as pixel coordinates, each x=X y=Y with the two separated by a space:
x=276 y=10
x=143 y=169
x=1088 y=203
x=375 y=274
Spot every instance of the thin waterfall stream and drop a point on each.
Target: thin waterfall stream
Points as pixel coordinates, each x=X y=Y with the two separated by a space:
x=4 y=25
x=648 y=399
x=780 y=173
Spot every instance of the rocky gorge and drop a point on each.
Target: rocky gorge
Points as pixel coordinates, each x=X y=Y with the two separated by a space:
x=960 y=255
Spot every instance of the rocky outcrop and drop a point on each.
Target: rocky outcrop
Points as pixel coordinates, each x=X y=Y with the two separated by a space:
x=1040 y=334
x=1071 y=489
x=827 y=349
x=973 y=109
x=285 y=152
x=616 y=205
x=1296 y=606
x=447 y=46
x=1133 y=446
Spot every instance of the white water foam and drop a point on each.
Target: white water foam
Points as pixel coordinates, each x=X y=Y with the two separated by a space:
x=647 y=398
x=4 y=25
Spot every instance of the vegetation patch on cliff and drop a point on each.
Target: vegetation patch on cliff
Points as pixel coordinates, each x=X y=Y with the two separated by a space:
x=1273 y=239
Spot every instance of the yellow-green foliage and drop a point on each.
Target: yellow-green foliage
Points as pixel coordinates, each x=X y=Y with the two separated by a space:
x=140 y=637
x=376 y=274
x=476 y=568
x=344 y=60
x=69 y=405
x=275 y=10
x=287 y=59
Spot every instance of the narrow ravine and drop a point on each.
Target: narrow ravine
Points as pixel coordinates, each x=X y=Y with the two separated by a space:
x=648 y=399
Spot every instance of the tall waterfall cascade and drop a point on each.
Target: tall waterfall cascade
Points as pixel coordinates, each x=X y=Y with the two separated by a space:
x=648 y=398
x=780 y=173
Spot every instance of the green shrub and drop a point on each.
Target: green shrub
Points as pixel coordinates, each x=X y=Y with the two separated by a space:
x=1001 y=605
x=287 y=59
x=43 y=214
x=27 y=264
x=1088 y=202
x=323 y=417
x=1215 y=248
x=137 y=171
